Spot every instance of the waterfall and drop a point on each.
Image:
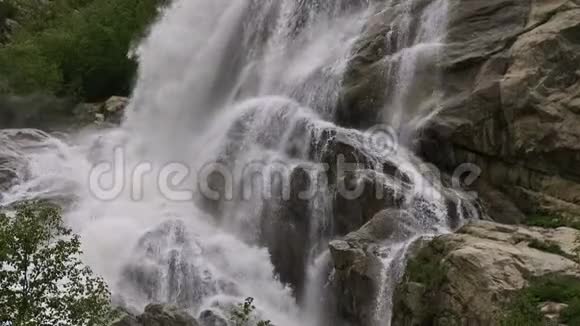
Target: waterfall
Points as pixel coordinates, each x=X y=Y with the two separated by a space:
x=232 y=86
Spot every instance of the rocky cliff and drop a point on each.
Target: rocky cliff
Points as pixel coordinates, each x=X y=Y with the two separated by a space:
x=476 y=276
x=512 y=90
x=510 y=96
x=508 y=101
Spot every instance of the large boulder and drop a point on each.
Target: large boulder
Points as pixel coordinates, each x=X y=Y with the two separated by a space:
x=469 y=278
x=111 y=111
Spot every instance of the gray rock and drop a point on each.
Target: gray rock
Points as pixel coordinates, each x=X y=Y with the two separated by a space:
x=356 y=261
x=509 y=97
x=483 y=265
x=210 y=318
x=159 y=315
x=510 y=103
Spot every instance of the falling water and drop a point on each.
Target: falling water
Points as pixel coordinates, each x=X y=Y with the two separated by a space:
x=231 y=83
x=420 y=34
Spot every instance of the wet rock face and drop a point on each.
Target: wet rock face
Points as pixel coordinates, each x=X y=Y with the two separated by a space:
x=470 y=277
x=289 y=219
x=509 y=96
x=304 y=207
x=370 y=81
x=357 y=265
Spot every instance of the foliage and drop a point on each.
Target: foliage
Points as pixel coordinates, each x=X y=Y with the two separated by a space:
x=7 y=11
x=428 y=268
x=577 y=249
x=75 y=47
x=572 y=314
x=243 y=314
x=524 y=311
x=42 y=280
x=551 y=247
x=552 y=221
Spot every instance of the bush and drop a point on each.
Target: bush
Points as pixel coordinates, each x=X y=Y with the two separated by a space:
x=76 y=47
x=243 y=315
x=524 y=309
x=428 y=268
x=7 y=11
x=551 y=221
x=42 y=280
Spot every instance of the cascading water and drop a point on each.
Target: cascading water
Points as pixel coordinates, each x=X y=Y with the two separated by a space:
x=230 y=84
x=417 y=46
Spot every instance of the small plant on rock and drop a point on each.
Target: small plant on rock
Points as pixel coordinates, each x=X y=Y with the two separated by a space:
x=552 y=221
x=550 y=247
x=243 y=314
x=577 y=249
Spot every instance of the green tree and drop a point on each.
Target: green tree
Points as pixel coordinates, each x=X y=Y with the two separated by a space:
x=42 y=279
x=243 y=314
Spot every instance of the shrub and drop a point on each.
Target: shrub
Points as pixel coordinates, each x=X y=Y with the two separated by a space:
x=428 y=268
x=524 y=309
x=76 y=47
x=243 y=315
x=7 y=11
x=551 y=221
